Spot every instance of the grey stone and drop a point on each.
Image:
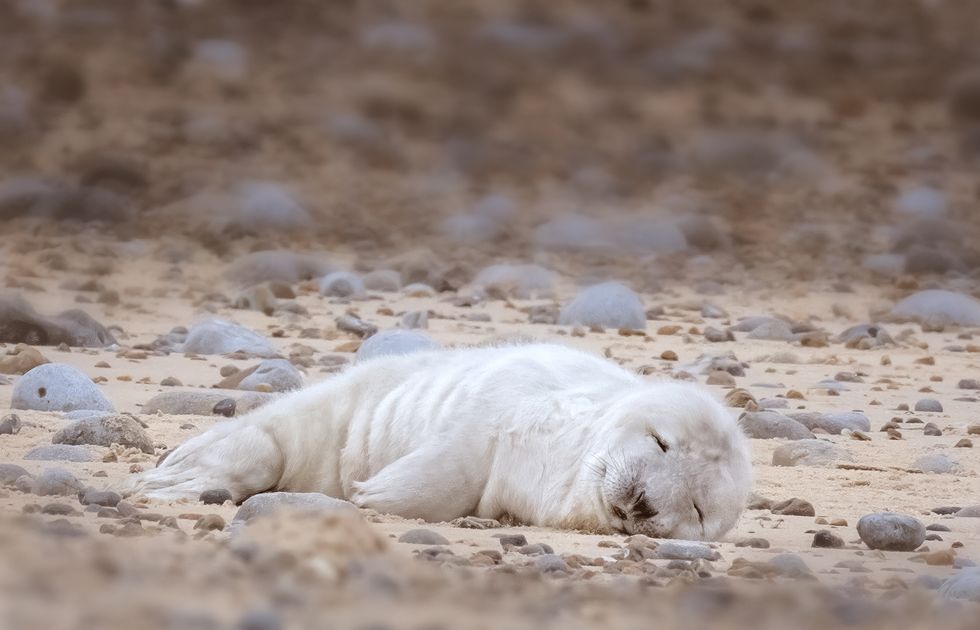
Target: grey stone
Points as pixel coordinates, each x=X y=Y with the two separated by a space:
x=9 y=473
x=342 y=284
x=685 y=550
x=215 y=497
x=550 y=563
x=395 y=342
x=60 y=452
x=962 y=585
x=775 y=330
x=20 y=323
x=355 y=325
x=522 y=282
x=833 y=423
x=385 y=280
x=422 y=537
x=218 y=336
x=764 y=425
x=608 y=305
x=269 y=502
x=865 y=336
x=56 y=481
x=891 y=532
x=105 y=431
x=938 y=463
x=790 y=565
x=819 y=453
x=57 y=387
x=939 y=307
x=929 y=405
x=184 y=403
x=10 y=425
x=970 y=511
x=277 y=265
x=969 y=383
x=279 y=374
x=104 y=498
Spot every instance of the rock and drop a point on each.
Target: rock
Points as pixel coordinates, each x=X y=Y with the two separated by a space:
x=103 y=498
x=470 y=229
x=276 y=265
x=56 y=481
x=826 y=539
x=865 y=336
x=739 y=398
x=609 y=305
x=9 y=473
x=278 y=374
x=938 y=463
x=764 y=425
x=721 y=378
x=790 y=565
x=60 y=452
x=105 y=431
x=21 y=360
x=355 y=325
x=422 y=537
x=385 y=280
x=931 y=429
x=254 y=207
x=218 y=336
x=713 y=311
x=968 y=383
x=833 y=423
x=10 y=425
x=684 y=550
x=921 y=202
x=793 y=507
x=715 y=335
x=57 y=387
x=809 y=452
x=20 y=323
x=395 y=342
x=260 y=620
x=181 y=403
x=522 y=282
x=928 y=404
x=171 y=381
x=269 y=502
x=224 y=407
x=962 y=585
x=342 y=284
x=774 y=330
x=550 y=563
x=215 y=497
x=970 y=511
x=891 y=532
x=938 y=307
x=210 y=522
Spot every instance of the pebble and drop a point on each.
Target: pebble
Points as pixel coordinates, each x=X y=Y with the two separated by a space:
x=970 y=511
x=550 y=563
x=793 y=507
x=790 y=565
x=522 y=282
x=931 y=429
x=962 y=585
x=181 y=403
x=534 y=549
x=215 y=497
x=714 y=335
x=59 y=509
x=60 y=452
x=268 y=502
x=891 y=532
x=938 y=463
x=938 y=307
x=810 y=452
x=512 y=540
x=384 y=280
x=678 y=550
x=21 y=360
x=9 y=473
x=721 y=378
x=104 y=498
x=20 y=323
x=105 y=431
x=422 y=537
x=58 y=387
x=277 y=374
x=928 y=404
x=342 y=284
x=10 y=425
x=764 y=425
x=395 y=342
x=210 y=522
x=827 y=539
x=276 y=265
x=833 y=423
x=772 y=330
x=224 y=407
x=356 y=326
x=171 y=381
x=968 y=383
x=605 y=305
x=754 y=543
x=260 y=620
x=218 y=336
x=56 y=481
x=964 y=443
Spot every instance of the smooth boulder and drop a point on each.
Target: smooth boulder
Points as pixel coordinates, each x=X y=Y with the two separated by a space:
x=939 y=307
x=606 y=305
x=809 y=452
x=58 y=387
x=765 y=425
x=277 y=375
x=270 y=502
x=218 y=336
x=394 y=342
x=891 y=532
x=20 y=323
x=105 y=431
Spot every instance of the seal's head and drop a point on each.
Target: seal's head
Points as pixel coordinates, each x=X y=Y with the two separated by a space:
x=678 y=465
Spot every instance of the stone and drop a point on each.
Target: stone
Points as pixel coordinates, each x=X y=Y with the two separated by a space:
x=833 y=423
x=184 y=403
x=939 y=307
x=394 y=342
x=210 y=522
x=522 y=282
x=276 y=265
x=105 y=431
x=826 y=539
x=277 y=374
x=384 y=280
x=20 y=323
x=938 y=463
x=215 y=497
x=218 y=336
x=56 y=481
x=511 y=540
x=715 y=335
x=865 y=336
x=774 y=330
x=58 y=387
x=9 y=473
x=962 y=585
x=60 y=452
x=10 y=425
x=21 y=360
x=470 y=229
x=102 y=498
x=342 y=284
x=607 y=305
x=888 y=531
x=418 y=290
x=422 y=537
x=929 y=405
x=810 y=452
x=355 y=325
x=765 y=425
x=685 y=550
x=790 y=565
x=931 y=429
x=968 y=383
x=550 y=563
x=267 y=503
x=722 y=379
x=793 y=507
x=225 y=407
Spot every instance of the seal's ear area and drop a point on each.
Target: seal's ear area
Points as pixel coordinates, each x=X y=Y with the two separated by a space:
x=656 y=437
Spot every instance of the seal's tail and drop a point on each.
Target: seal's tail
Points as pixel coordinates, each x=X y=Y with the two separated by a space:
x=241 y=457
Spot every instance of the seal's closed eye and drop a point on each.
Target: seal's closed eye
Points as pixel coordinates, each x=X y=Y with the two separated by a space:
x=660 y=441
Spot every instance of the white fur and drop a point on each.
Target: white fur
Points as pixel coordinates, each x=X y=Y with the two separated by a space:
x=543 y=434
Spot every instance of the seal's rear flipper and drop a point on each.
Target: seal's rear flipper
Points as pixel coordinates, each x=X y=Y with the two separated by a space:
x=241 y=458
